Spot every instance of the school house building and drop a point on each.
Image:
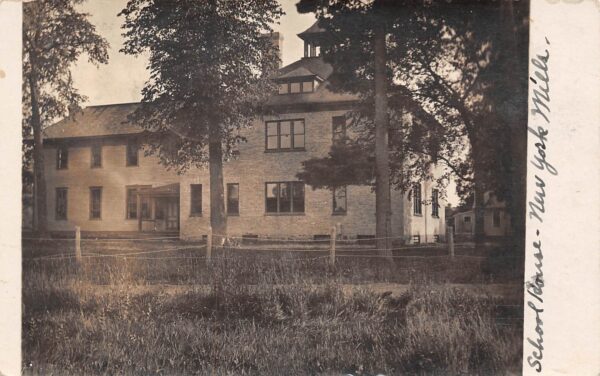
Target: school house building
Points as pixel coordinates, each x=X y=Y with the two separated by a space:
x=98 y=177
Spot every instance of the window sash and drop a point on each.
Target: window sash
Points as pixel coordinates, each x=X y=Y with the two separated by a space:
x=62 y=158
x=284 y=197
x=435 y=206
x=285 y=135
x=340 y=203
x=417 y=205
x=96 y=151
x=131 y=204
x=61 y=204
x=338 y=129
x=233 y=198
x=132 y=153
x=195 y=199
x=95 y=202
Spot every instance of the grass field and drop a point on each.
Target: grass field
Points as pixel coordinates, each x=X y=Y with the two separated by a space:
x=283 y=313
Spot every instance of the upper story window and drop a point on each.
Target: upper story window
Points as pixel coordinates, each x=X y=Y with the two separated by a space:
x=284 y=197
x=435 y=203
x=307 y=86
x=96 y=152
x=132 y=153
x=311 y=49
x=417 y=204
x=61 y=204
x=284 y=135
x=62 y=158
x=339 y=129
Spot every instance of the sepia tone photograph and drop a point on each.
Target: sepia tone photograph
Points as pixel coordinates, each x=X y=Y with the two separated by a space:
x=274 y=187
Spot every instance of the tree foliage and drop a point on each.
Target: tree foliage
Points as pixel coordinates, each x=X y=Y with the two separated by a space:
x=209 y=63
x=55 y=36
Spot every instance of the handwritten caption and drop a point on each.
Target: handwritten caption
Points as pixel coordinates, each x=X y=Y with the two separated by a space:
x=540 y=110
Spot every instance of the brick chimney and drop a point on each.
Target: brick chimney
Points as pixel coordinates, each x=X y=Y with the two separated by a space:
x=277 y=40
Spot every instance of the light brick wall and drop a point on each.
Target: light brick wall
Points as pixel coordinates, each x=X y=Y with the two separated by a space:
x=251 y=171
x=255 y=167
x=113 y=177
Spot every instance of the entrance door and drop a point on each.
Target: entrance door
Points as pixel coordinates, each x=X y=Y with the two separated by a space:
x=172 y=213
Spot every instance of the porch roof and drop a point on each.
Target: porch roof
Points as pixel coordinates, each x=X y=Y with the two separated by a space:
x=169 y=190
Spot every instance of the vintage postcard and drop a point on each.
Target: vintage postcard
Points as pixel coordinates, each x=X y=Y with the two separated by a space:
x=300 y=187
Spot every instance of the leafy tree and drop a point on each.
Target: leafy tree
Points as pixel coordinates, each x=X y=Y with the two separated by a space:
x=55 y=35
x=210 y=64
x=457 y=68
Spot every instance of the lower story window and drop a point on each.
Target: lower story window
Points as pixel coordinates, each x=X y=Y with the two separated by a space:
x=61 y=203
x=233 y=199
x=195 y=200
x=95 y=202
x=339 y=201
x=132 y=203
x=284 y=197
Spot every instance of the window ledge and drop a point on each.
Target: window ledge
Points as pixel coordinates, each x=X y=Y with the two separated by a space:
x=284 y=150
x=198 y=215
x=233 y=214
x=339 y=213
x=284 y=214
x=417 y=215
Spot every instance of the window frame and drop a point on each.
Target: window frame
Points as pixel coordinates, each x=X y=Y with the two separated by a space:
x=292 y=134
x=227 y=200
x=66 y=203
x=194 y=213
x=138 y=210
x=340 y=212
x=334 y=127
x=435 y=203
x=91 y=203
x=132 y=143
x=98 y=147
x=496 y=218
x=288 y=87
x=62 y=157
x=417 y=200
x=291 y=198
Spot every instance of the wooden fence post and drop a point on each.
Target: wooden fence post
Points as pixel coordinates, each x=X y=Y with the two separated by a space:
x=451 y=241
x=332 y=246
x=78 y=243
x=209 y=239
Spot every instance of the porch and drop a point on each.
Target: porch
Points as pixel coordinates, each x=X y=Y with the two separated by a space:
x=159 y=208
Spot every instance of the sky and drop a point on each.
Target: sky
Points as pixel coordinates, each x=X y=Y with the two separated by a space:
x=122 y=79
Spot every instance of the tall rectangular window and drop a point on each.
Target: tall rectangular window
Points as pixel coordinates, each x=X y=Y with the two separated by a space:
x=195 y=200
x=417 y=201
x=233 y=199
x=132 y=203
x=284 y=197
x=435 y=203
x=61 y=203
x=339 y=129
x=62 y=158
x=339 y=201
x=95 y=202
x=96 y=156
x=284 y=135
x=132 y=153
x=496 y=218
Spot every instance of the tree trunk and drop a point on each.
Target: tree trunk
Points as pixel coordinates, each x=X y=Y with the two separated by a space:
x=218 y=219
x=383 y=223
x=41 y=224
x=478 y=194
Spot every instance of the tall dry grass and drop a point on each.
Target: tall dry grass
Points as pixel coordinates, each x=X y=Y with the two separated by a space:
x=263 y=316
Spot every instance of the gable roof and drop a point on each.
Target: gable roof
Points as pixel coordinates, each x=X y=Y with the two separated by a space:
x=297 y=73
x=94 y=121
